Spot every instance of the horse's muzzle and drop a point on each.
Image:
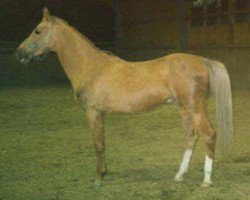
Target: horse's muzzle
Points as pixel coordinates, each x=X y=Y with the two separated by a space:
x=22 y=55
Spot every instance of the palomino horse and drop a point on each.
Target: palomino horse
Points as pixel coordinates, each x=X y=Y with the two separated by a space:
x=106 y=83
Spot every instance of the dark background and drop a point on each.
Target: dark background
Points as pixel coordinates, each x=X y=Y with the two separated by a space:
x=93 y=17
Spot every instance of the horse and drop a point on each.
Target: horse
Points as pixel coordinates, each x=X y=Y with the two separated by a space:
x=106 y=83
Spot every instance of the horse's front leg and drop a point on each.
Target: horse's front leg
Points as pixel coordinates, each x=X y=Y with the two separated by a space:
x=95 y=121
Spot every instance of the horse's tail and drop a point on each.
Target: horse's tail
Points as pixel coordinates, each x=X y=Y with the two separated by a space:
x=221 y=87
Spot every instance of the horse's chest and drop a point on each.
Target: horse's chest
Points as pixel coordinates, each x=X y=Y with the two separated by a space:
x=91 y=99
x=80 y=97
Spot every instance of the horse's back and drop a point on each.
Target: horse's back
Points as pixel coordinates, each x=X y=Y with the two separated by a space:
x=188 y=62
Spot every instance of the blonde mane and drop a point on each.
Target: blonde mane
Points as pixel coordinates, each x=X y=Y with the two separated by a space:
x=67 y=25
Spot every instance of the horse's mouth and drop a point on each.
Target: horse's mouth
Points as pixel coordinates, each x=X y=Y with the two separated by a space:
x=25 y=60
x=25 y=57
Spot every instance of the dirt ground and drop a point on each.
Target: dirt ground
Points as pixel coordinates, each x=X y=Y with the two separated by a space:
x=46 y=151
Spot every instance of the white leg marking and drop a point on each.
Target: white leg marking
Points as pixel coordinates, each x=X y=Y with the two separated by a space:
x=208 y=170
x=184 y=165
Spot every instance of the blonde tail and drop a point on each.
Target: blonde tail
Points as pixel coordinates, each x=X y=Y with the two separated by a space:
x=221 y=87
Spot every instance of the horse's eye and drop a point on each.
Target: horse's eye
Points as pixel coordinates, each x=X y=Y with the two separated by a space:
x=37 y=32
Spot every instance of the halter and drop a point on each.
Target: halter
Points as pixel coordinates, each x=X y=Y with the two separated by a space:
x=48 y=37
x=42 y=45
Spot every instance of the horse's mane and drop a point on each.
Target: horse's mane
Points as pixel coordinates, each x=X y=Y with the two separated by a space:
x=88 y=41
x=61 y=21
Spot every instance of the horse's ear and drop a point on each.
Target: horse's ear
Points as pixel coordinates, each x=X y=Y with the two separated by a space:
x=46 y=14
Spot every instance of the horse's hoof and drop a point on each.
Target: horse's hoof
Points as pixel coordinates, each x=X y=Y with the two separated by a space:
x=206 y=185
x=178 y=178
x=98 y=184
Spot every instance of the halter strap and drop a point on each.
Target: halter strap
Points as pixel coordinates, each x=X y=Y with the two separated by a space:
x=45 y=42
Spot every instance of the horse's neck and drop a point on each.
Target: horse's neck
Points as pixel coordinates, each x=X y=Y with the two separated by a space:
x=79 y=58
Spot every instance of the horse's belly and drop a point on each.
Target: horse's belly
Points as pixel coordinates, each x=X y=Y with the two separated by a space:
x=133 y=102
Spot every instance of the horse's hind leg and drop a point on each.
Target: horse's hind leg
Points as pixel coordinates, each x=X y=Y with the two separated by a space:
x=191 y=137
x=202 y=123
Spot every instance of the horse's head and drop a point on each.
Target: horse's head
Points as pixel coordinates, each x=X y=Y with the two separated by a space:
x=39 y=42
